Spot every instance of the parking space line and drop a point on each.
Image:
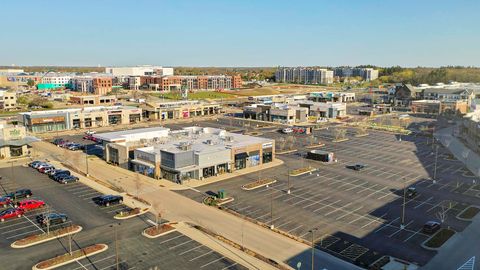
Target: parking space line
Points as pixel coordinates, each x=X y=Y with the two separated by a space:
x=327 y=205
x=298 y=227
x=386 y=225
x=316 y=202
x=91 y=263
x=232 y=265
x=338 y=209
x=422 y=203
x=212 y=262
x=413 y=234
x=168 y=240
x=21 y=228
x=349 y=213
x=201 y=256
x=187 y=251
x=181 y=244
x=400 y=229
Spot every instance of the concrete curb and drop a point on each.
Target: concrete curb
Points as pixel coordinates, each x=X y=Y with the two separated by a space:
x=105 y=247
x=464 y=210
x=428 y=239
x=158 y=235
x=143 y=211
x=305 y=172
x=262 y=185
x=13 y=245
x=315 y=146
x=286 y=152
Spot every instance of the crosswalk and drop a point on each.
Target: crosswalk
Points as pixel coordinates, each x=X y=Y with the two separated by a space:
x=468 y=265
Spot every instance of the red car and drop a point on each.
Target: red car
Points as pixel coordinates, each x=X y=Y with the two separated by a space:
x=88 y=137
x=5 y=201
x=11 y=213
x=30 y=204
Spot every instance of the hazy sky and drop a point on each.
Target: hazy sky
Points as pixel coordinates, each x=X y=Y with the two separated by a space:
x=240 y=32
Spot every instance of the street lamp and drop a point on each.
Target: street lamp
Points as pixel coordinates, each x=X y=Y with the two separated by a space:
x=402 y=225
x=116 y=244
x=313 y=246
x=435 y=165
x=271 y=213
x=288 y=179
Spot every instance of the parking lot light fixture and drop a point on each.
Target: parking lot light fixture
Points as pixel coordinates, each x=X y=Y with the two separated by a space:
x=271 y=213
x=288 y=179
x=435 y=165
x=313 y=246
x=402 y=225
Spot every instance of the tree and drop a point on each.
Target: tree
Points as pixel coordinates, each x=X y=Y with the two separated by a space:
x=339 y=134
x=361 y=130
x=138 y=184
x=158 y=211
x=30 y=83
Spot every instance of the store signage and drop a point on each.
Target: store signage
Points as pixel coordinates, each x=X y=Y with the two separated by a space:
x=14 y=133
x=47 y=120
x=267 y=145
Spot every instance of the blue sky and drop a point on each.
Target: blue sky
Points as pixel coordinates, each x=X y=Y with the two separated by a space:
x=241 y=32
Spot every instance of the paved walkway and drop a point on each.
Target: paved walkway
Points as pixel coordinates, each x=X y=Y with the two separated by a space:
x=464 y=245
x=179 y=208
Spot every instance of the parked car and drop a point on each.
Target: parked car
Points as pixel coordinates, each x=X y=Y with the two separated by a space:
x=75 y=146
x=52 y=219
x=90 y=132
x=46 y=169
x=68 y=179
x=287 y=130
x=411 y=192
x=63 y=143
x=5 y=202
x=30 y=204
x=33 y=163
x=43 y=165
x=357 y=167
x=60 y=176
x=58 y=141
x=107 y=200
x=19 y=194
x=10 y=213
x=88 y=137
x=36 y=165
x=431 y=227
x=54 y=172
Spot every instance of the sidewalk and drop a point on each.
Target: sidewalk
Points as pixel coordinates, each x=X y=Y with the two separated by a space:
x=459 y=150
x=192 y=184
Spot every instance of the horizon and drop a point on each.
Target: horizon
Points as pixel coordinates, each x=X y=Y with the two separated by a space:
x=241 y=33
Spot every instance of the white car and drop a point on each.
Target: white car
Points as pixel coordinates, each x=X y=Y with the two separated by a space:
x=287 y=130
x=90 y=132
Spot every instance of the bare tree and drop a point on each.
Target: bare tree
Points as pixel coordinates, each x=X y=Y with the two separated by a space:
x=138 y=184
x=361 y=130
x=442 y=213
x=158 y=211
x=339 y=134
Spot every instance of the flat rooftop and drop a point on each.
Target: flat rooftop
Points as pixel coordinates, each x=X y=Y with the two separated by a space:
x=133 y=134
x=86 y=109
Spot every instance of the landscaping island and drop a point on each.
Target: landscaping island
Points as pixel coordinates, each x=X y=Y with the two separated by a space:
x=157 y=231
x=44 y=237
x=439 y=238
x=258 y=184
x=69 y=258
x=300 y=171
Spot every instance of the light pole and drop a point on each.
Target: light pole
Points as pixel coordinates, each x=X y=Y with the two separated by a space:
x=116 y=244
x=271 y=213
x=402 y=225
x=288 y=179
x=313 y=247
x=435 y=165
x=86 y=160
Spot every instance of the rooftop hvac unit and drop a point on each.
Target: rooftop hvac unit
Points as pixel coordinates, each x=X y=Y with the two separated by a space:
x=185 y=146
x=209 y=142
x=229 y=138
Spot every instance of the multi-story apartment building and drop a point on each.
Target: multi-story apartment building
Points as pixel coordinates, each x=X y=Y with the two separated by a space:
x=139 y=71
x=102 y=85
x=83 y=84
x=368 y=74
x=52 y=81
x=304 y=75
x=169 y=83
x=8 y=100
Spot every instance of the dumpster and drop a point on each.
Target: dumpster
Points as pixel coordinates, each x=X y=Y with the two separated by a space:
x=320 y=155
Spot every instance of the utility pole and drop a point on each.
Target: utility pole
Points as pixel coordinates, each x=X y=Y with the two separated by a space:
x=435 y=165
x=313 y=247
x=271 y=213
x=402 y=225
x=288 y=179
x=116 y=244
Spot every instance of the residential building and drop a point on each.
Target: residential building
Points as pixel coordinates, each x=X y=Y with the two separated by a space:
x=139 y=71
x=102 y=85
x=83 y=84
x=8 y=100
x=470 y=130
x=405 y=94
x=179 y=109
x=188 y=153
x=304 y=75
x=94 y=100
x=367 y=74
x=14 y=141
x=55 y=80
x=134 y=82
x=191 y=83
x=87 y=117
x=332 y=96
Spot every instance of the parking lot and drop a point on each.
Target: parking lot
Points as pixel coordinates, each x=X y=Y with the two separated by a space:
x=174 y=251
x=358 y=214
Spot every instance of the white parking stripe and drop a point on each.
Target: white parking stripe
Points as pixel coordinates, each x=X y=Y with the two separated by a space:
x=212 y=262
x=181 y=244
x=201 y=256
x=187 y=251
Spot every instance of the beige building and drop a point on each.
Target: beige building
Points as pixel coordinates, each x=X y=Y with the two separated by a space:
x=93 y=100
x=8 y=100
x=88 y=117
x=179 y=109
x=14 y=141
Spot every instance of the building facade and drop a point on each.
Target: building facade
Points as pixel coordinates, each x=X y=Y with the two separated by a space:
x=93 y=100
x=179 y=109
x=14 y=141
x=191 y=83
x=87 y=117
x=102 y=85
x=8 y=100
x=304 y=75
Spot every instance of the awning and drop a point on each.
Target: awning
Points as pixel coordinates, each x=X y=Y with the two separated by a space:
x=241 y=156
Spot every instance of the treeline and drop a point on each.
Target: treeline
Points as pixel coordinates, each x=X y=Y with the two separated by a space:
x=247 y=73
x=420 y=75
x=56 y=69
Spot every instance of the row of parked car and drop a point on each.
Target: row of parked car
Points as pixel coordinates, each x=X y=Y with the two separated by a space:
x=61 y=176
x=18 y=202
x=68 y=145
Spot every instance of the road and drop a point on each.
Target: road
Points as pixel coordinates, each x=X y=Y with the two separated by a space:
x=179 y=208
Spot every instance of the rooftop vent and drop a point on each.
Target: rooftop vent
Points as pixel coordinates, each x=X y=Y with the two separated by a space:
x=209 y=142
x=185 y=146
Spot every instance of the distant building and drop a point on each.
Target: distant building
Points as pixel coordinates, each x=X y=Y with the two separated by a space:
x=93 y=100
x=368 y=74
x=55 y=80
x=102 y=85
x=304 y=75
x=88 y=117
x=8 y=100
x=470 y=130
x=139 y=71
x=171 y=83
x=179 y=109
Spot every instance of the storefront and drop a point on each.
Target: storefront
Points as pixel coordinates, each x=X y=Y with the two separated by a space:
x=241 y=161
